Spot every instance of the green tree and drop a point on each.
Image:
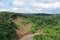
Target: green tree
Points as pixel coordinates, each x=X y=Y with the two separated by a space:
x=7 y=27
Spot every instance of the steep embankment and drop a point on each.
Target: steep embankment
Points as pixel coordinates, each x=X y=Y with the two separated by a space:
x=24 y=30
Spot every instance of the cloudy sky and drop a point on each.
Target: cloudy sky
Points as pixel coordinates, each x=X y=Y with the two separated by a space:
x=30 y=6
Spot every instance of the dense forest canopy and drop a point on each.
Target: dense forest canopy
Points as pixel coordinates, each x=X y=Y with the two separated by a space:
x=7 y=27
x=50 y=23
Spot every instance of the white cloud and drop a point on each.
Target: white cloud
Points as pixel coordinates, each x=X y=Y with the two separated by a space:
x=18 y=3
x=42 y=1
x=30 y=6
x=53 y=5
x=3 y=9
x=27 y=9
x=15 y=9
x=2 y=4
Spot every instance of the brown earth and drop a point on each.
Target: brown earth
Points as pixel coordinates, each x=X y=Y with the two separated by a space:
x=18 y=18
x=24 y=30
x=23 y=33
x=29 y=36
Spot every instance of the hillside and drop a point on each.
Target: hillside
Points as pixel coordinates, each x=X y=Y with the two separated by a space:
x=30 y=26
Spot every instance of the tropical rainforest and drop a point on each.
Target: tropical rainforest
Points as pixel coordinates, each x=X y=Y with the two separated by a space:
x=47 y=26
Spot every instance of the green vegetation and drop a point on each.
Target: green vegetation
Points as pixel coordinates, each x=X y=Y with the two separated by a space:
x=43 y=37
x=50 y=26
x=49 y=23
x=7 y=27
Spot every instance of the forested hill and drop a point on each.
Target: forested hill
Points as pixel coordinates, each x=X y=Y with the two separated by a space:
x=48 y=25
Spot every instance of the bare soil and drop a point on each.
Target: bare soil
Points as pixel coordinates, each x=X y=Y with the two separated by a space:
x=23 y=33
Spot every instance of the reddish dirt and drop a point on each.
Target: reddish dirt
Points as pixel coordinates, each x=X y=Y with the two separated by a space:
x=30 y=36
x=25 y=29
x=18 y=18
x=23 y=33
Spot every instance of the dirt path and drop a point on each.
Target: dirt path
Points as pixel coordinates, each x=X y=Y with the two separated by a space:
x=29 y=36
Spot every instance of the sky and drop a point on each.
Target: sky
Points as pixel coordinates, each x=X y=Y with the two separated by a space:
x=30 y=6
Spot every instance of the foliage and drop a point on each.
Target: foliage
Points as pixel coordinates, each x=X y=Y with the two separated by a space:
x=42 y=37
x=51 y=26
x=7 y=27
x=49 y=23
